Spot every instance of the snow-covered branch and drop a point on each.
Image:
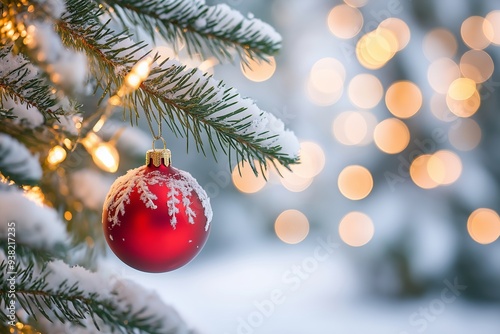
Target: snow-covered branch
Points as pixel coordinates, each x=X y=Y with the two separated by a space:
x=217 y=30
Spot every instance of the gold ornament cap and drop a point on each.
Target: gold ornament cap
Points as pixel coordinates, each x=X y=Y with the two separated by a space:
x=156 y=156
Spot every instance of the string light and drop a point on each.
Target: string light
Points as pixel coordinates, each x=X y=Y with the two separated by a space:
x=104 y=154
x=106 y=157
x=138 y=73
x=34 y=194
x=136 y=76
x=56 y=155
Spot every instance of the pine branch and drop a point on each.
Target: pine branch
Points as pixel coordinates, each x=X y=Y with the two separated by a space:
x=26 y=254
x=198 y=103
x=217 y=30
x=69 y=303
x=21 y=82
x=7 y=114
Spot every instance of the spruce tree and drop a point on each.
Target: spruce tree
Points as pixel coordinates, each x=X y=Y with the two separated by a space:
x=54 y=55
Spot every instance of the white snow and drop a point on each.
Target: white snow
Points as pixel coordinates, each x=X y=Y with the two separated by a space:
x=132 y=294
x=227 y=19
x=31 y=116
x=89 y=282
x=66 y=68
x=55 y=8
x=37 y=226
x=221 y=19
x=180 y=183
x=90 y=187
x=27 y=115
x=13 y=153
x=125 y=296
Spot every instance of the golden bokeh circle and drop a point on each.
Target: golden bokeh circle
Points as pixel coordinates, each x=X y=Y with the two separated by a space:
x=355 y=182
x=356 y=229
x=483 y=226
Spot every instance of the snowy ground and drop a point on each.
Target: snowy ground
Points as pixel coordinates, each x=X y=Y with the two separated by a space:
x=310 y=288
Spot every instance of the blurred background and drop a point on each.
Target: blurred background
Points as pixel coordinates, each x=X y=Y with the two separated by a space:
x=390 y=223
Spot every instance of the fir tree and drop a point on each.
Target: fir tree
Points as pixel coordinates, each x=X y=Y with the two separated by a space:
x=53 y=55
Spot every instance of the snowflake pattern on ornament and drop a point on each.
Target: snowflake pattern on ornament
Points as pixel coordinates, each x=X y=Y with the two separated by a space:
x=181 y=183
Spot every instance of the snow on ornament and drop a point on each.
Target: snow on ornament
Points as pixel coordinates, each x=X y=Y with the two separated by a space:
x=156 y=218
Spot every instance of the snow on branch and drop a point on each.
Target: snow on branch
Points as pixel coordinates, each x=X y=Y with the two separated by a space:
x=22 y=86
x=220 y=109
x=17 y=163
x=206 y=29
x=202 y=104
x=71 y=299
x=37 y=226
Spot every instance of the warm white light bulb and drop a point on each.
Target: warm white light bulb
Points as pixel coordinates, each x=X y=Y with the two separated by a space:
x=142 y=68
x=56 y=155
x=106 y=157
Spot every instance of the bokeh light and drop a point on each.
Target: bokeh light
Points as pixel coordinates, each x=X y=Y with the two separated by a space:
x=355 y=182
x=311 y=160
x=444 y=167
x=493 y=22
x=245 y=180
x=354 y=127
x=483 y=226
x=403 y=99
x=441 y=73
x=400 y=30
x=345 y=21
x=292 y=181
x=356 y=229
x=462 y=89
x=56 y=155
x=466 y=135
x=326 y=71
x=376 y=48
x=365 y=90
x=291 y=226
x=391 y=136
x=464 y=108
x=326 y=81
x=440 y=109
x=356 y=3
x=439 y=43
x=477 y=32
x=476 y=65
x=259 y=70
x=419 y=172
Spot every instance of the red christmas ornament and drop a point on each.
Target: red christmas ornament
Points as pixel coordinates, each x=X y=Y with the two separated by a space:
x=156 y=218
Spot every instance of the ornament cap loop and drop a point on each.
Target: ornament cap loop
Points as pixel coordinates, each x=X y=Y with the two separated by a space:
x=158 y=157
x=159 y=138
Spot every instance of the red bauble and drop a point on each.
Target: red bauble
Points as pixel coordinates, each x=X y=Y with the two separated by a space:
x=156 y=218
